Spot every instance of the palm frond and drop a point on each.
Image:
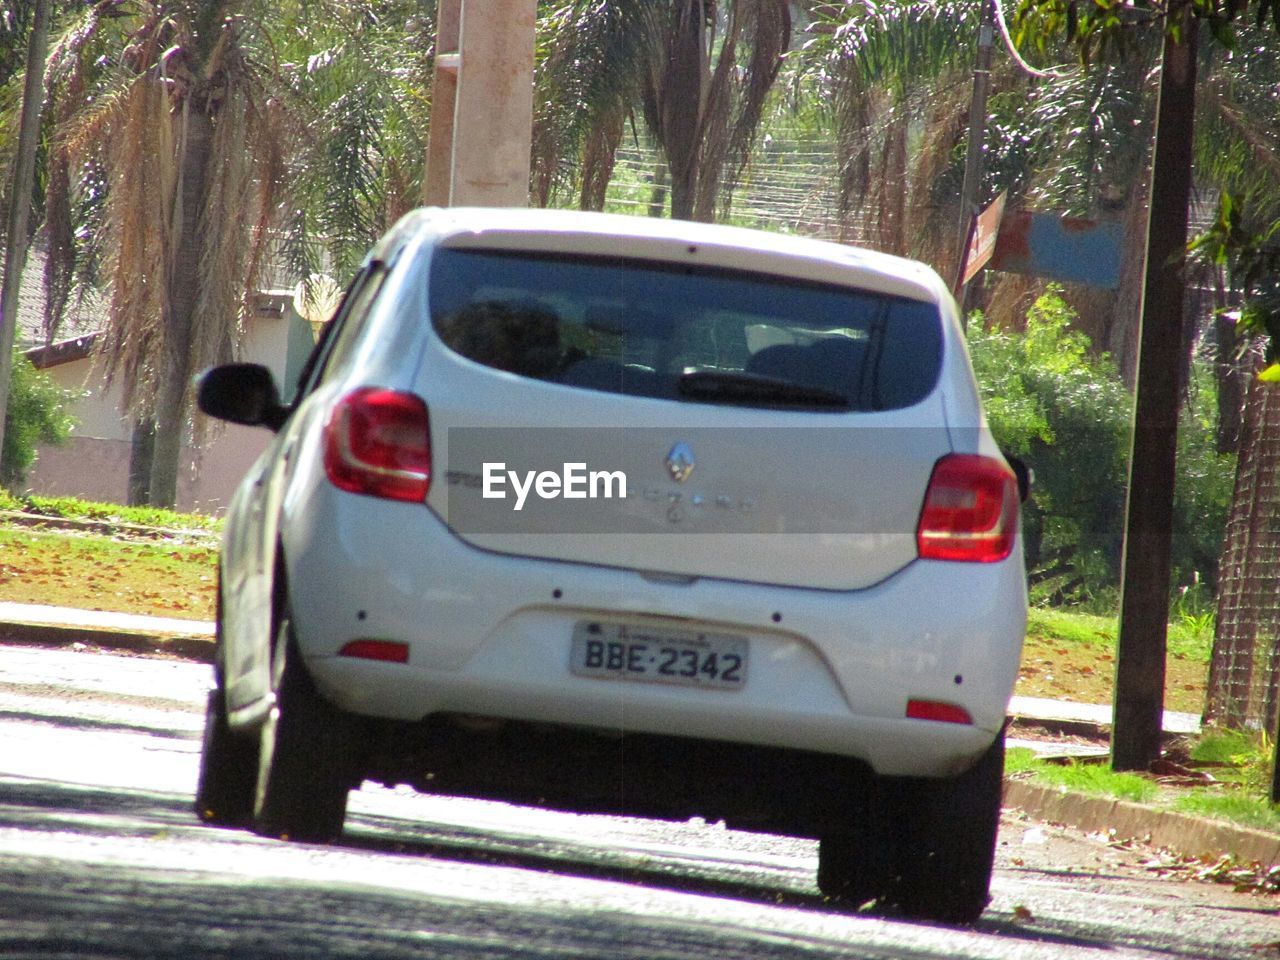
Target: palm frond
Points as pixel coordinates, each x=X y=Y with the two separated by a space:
x=590 y=63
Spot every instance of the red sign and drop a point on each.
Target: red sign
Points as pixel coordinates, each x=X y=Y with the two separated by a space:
x=982 y=238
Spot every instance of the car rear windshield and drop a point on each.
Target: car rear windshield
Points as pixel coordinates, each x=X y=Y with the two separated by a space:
x=694 y=334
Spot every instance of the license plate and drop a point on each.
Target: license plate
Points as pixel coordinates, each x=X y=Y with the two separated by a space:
x=620 y=651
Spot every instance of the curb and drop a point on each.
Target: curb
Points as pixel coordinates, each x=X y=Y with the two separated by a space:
x=1185 y=834
x=197 y=649
x=41 y=521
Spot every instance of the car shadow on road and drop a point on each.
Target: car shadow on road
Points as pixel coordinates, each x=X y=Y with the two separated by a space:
x=56 y=806
x=38 y=890
x=586 y=861
x=102 y=726
x=771 y=886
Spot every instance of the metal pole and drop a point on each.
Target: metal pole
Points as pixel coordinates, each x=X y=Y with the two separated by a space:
x=974 y=153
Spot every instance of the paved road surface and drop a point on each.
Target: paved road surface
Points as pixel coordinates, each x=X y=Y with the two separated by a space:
x=100 y=856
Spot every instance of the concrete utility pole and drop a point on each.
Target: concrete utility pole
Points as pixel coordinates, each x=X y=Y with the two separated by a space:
x=974 y=153
x=15 y=247
x=437 y=183
x=1144 y=592
x=482 y=121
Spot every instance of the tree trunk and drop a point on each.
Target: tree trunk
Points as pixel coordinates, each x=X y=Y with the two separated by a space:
x=683 y=98
x=183 y=284
x=15 y=249
x=142 y=449
x=1232 y=382
x=1144 y=592
x=684 y=188
x=599 y=154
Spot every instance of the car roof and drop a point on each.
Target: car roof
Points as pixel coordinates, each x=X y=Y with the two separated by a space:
x=664 y=240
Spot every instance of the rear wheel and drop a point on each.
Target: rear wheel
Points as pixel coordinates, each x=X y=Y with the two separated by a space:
x=945 y=842
x=307 y=755
x=228 y=769
x=854 y=863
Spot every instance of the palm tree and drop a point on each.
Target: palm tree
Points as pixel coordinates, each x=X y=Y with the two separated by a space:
x=359 y=76
x=891 y=77
x=182 y=126
x=166 y=103
x=698 y=72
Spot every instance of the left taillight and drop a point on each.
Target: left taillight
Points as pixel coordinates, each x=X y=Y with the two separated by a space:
x=970 y=510
x=378 y=442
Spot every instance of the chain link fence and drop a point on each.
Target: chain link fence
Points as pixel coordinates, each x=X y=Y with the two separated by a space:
x=790 y=186
x=1245 y=668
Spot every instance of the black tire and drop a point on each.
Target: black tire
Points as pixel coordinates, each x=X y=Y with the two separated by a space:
x=854 y=864
x=306 y=758
x=945 y=841
x=228 y=769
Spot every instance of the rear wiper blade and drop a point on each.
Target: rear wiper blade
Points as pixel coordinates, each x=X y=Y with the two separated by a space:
x=732 y=386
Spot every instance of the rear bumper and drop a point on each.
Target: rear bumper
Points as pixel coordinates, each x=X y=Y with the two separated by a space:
x=489 y=635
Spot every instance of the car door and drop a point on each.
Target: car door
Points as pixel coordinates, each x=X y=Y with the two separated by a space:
x=250 y=546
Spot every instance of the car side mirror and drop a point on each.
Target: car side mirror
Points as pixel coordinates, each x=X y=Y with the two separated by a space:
x=243 y=393
x=1025 y=475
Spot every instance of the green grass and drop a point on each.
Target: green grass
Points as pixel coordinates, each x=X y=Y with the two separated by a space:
x=1067 y=626
x=1070 y=654
x=1234 y=747
x=1248 y=811
x=74 y=509
x=1239 y=796
x=173 y=578
x=1190 y=634
x=1020 y=760
x=1092 y=778
x=1098 y=779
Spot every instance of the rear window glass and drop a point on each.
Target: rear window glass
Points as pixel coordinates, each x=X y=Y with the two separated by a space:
x=694 y=334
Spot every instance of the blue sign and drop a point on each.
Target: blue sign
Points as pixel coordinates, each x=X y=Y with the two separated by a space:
x=1069 y=249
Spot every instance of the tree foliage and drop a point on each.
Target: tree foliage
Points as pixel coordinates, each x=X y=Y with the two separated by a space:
x=169 y=104
x=1064 y=410
x=697 y=71
x=36 y=414
x=15 y=22
x=886 y=74
x=1103 y=29
x=1241 y=131
x=356 y=77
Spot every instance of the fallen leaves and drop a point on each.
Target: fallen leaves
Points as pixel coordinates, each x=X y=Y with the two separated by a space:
x=1175 y=774
x=1245 y=877
x=94 y=571
x=1216 y=868
x=1084 y=673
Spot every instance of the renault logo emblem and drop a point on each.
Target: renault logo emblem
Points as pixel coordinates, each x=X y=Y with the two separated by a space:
x=680 y=462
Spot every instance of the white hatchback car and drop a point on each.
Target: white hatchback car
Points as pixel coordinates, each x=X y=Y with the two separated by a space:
x=629 y=515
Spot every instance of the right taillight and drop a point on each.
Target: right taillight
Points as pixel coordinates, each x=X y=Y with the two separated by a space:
x=970 y=510
x=377 y=442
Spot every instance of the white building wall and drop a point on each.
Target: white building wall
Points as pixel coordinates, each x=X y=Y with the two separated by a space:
x=94 y=463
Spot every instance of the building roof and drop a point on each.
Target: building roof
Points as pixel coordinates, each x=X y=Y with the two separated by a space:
x=64 y=351
x=85 y=312
x=266 y=304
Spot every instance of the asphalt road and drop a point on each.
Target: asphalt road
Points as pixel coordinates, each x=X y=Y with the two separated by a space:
x=101 y=856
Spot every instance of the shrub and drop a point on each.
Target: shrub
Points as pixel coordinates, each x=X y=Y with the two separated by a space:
x=1066 y=413
x=36 y=415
